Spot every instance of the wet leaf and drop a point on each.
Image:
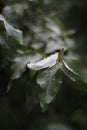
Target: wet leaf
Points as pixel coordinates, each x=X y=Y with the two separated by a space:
x=14 y=36
x=44 y=63
x=69 y=72
x=49 y=81
x=19 y=63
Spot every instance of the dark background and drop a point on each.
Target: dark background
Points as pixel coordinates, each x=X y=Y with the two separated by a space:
x=68 y=111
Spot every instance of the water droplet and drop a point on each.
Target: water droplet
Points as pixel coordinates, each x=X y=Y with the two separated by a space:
x=40 y=64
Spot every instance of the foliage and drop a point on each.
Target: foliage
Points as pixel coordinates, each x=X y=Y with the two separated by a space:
x=36 y=52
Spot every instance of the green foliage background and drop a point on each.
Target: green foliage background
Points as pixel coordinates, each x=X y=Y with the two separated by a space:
x=31 y=30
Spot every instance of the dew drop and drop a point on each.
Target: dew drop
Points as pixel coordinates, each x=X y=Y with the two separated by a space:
x=40 y=64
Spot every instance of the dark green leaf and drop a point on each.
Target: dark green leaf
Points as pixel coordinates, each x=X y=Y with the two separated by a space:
x=19 y=63
x=49 y=81
x=69 y=72
x=13 y=35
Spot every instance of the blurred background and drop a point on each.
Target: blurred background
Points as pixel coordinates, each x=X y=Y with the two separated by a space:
x=19 y=109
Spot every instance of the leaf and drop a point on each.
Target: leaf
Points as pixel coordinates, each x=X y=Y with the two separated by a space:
x=52 y=26
x=69 y=72
x=77 y=65
x=55 y=45
x=19 y=63
x=49 y=81
x=13 y=35
x=44 y=63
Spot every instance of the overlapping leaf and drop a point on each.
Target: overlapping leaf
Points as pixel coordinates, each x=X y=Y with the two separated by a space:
x=49 y=77
x=69 y=72
x=49 y=81
x=19 y=63
x=14 y=36
x=44 y=63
